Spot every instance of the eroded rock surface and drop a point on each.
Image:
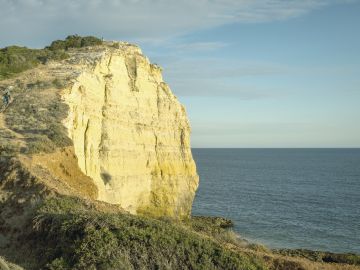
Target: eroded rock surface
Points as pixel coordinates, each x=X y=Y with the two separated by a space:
x=104 y=115
x=130 y=133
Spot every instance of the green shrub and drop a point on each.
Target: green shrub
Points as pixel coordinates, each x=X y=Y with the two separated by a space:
x=73 y=233
x=15 y=59
x=74 y=41
x=57 y=264
x=90 y=41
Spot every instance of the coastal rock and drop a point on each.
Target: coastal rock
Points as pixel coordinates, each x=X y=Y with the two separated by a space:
x=131 y=134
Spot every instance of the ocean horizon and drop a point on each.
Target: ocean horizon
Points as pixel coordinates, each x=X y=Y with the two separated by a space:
x=284 y=197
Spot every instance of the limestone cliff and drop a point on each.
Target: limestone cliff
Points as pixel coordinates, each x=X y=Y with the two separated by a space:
x=107 y=109
x=131 y=134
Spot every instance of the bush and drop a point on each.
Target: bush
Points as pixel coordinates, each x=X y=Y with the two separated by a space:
x=15 y=59
x=73 y=233
x=57 y=264
x=74 y=41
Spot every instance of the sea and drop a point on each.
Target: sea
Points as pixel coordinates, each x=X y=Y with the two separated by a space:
x=284 y=198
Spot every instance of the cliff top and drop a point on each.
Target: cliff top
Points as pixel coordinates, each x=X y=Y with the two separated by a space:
x=33 y=123
x=16 y=59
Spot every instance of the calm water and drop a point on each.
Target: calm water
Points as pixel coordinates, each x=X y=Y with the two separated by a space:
x=294 y=198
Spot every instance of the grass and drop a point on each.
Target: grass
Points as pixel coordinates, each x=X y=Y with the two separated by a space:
x=38 y=117
x=69 y=234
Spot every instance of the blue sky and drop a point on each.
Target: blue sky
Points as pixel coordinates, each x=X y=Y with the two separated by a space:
x=267 y=73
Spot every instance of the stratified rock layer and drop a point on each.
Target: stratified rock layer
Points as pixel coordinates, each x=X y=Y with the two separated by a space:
x=131 y=134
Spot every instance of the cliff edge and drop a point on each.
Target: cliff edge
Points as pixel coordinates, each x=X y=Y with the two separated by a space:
x=110 y=111
x=131 y=134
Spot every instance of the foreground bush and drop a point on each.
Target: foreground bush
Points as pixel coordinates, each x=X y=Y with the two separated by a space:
x=68 y=235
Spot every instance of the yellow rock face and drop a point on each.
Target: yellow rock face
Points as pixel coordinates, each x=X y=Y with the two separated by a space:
x=131 y=134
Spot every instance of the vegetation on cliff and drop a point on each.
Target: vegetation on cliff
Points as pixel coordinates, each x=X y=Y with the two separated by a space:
x=68 y=233
x=74 y=41
x=15 y=59
x=32 y=124
x=322 y=256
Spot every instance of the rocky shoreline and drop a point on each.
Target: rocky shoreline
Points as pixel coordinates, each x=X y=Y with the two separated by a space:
x=312 y=255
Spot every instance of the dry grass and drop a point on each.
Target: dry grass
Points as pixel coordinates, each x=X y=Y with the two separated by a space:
x=63 y=165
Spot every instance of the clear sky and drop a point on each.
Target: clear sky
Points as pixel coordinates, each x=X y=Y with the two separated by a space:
x=259 y=73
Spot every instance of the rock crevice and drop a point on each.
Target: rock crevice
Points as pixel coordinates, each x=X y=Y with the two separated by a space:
x=131 y=135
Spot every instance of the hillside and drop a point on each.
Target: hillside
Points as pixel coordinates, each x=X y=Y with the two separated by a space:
x=96 y=170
